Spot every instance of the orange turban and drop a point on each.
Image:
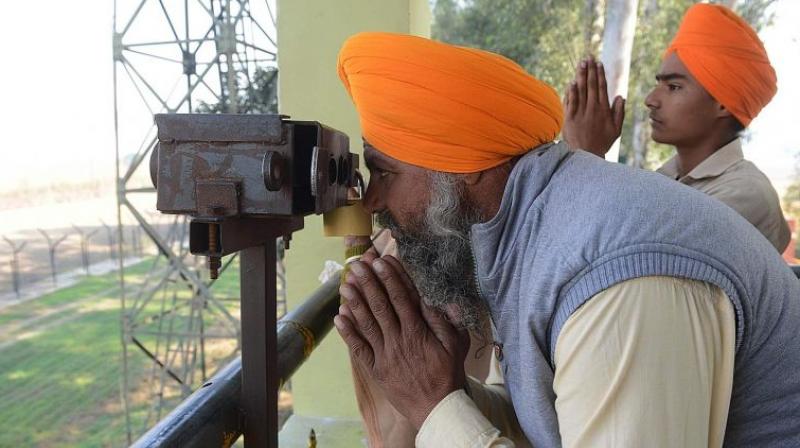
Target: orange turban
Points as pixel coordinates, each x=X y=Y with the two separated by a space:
x=726 y=57
x=442 y=107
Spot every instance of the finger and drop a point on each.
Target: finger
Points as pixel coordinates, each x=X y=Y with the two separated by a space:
x=573 y=95
x=444 y=331
x=591 y=85
x=567 y=102
x=618 y=110
x=602 y=84
x=452 y=313
x=360 y=350
x=403 y=299
x=370 y=255
x=345 y=311
x=403 y=274
x=581 y=81
x=356 y=240
x=361 y=315
x=364 y=278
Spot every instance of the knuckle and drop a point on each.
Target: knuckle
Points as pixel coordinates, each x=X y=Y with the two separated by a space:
x=354 y=302
x=364 y=283
x=345 y=290
x=368 y=327
x=416 y=326
x=379 y=307
x=359 y=351
x=393 y=288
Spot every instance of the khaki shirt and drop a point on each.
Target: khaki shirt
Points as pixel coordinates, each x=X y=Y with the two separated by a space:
x=647 y=362
x=726 y=176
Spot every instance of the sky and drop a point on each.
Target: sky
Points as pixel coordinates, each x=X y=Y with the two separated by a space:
x=58 y=120
x=57 y=116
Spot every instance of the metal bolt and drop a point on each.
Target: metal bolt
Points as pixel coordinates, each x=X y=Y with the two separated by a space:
x=286 y=240
x=214 y=261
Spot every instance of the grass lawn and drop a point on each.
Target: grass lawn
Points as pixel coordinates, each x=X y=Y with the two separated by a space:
x=60 y=356
x=60 y=375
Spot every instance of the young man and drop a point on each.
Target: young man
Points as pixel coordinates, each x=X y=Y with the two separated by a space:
x=618 y=322
x=714 y=79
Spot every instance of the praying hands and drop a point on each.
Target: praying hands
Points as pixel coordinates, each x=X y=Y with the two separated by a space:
x=413 y=352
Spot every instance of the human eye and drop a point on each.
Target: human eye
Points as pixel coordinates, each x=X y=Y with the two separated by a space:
x=379 y=173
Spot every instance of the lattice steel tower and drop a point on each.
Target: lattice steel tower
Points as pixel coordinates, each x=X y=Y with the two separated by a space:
x=177 y=327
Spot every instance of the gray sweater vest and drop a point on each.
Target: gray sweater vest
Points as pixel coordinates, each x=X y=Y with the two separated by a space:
x=571 y=225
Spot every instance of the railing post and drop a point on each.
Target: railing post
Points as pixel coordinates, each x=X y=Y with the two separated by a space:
x=259 y=346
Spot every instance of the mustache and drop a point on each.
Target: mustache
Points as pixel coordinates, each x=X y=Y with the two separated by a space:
x=385 y=220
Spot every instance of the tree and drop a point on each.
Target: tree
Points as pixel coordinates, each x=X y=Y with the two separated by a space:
x=539 y=35
x=618 y=34
x=259 y=97
x=791 y=198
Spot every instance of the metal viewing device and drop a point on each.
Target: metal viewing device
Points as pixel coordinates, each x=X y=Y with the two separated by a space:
x=247 y=180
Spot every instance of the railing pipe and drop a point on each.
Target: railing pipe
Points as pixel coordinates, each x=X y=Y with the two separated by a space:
x=212 y=415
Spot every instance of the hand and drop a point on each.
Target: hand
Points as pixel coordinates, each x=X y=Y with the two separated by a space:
x=589 y=123
x=411 y=350
x=381 y=244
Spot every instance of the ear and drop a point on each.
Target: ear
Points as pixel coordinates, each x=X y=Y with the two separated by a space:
x=722 y=111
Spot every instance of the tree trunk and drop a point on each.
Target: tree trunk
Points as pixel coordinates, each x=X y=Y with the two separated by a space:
x=620 y=25
x=639 y=140
x=640 y=131
x=593 y=16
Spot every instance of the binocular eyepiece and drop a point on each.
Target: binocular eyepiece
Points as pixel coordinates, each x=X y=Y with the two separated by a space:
x=224 y=170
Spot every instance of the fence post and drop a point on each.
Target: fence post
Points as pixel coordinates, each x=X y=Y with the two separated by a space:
x=85 y=260
x=15 y=250
x=110 y=235
x=52 y=245
x=136 y=241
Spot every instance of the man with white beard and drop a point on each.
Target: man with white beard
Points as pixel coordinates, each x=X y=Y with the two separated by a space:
x=618 y=321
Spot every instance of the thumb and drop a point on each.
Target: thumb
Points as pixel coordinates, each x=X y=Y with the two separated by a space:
x=619 y=113
x=453 y=314
x=447 y=334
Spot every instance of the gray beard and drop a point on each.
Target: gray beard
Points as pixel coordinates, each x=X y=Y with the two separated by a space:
x=437 y=253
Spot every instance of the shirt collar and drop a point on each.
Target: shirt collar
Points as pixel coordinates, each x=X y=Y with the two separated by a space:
x=714 y=165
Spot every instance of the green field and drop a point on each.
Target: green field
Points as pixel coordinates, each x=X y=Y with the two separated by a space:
x=60 y=365
x=60 y=357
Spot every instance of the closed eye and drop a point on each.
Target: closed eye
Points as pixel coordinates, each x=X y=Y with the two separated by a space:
x=380 y=172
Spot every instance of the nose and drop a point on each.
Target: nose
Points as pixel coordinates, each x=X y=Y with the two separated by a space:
x=651 y=100
x=373 y=202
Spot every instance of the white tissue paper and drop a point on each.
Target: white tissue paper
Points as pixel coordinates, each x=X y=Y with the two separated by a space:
x=329 y=271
